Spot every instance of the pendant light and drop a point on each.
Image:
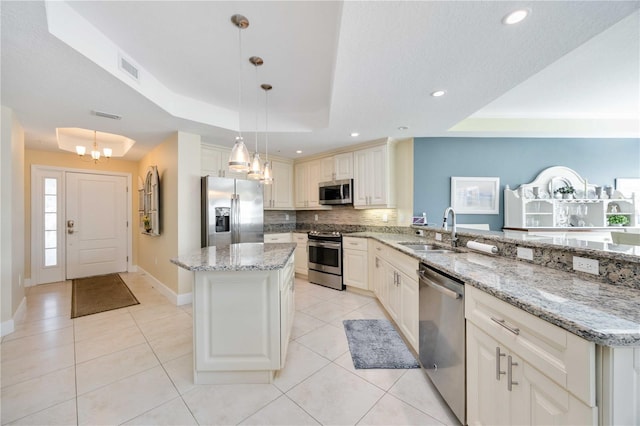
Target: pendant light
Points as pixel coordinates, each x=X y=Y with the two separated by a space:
x=239 y=158
x=267 y=172
x=255 y=170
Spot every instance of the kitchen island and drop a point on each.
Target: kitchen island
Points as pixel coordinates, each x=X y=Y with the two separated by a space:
x=243 y=305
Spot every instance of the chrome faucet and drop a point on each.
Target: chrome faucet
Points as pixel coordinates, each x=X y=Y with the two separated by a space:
x=454 y=237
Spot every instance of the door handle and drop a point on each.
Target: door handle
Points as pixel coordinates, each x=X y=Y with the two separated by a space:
x=510 y=365
x=498 y=355
x=69 y=231
x=449 y=293
x=503 y=323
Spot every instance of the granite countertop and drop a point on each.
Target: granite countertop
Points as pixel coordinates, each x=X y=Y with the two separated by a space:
x=602 y=313
x=237 y=257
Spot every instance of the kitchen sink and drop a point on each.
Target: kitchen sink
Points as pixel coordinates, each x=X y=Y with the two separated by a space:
x=424 y=248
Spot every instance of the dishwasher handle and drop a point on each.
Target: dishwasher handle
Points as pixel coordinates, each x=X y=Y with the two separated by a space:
x=447 y=292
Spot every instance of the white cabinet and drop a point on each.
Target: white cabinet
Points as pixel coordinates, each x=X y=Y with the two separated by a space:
x=302 y=253
x=287 y=309
x=376 y=268
x=338 y=167
x=307 y=177
x=523 y=370
x=373 y=177
x=533 y=205
x=248 y=343
x=280 y=237
x=395 y=283
x=355 y=262
x=279 y=194
x=214 y=161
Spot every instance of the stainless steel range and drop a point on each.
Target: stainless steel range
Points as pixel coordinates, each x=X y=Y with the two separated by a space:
x=325 y=259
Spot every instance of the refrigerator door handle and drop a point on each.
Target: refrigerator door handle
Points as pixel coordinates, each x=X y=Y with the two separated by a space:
x=237 y=224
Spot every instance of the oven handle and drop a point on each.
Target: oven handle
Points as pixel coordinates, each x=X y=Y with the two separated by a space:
x=323 y=244
x=447 y=292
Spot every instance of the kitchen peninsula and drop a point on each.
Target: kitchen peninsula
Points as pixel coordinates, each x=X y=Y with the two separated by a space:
x=243 y=305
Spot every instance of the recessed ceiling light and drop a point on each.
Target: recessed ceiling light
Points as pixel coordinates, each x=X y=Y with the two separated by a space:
x=403 y=128
x=355 y=134
x=298 y=152
x=515 y=17
x=438 y=93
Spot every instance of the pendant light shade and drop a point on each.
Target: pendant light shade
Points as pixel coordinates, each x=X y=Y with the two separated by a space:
x=267 y=178
x=255 y=170
x=239 y=159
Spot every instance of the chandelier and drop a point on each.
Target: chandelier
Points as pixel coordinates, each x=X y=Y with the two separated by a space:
x=95 y=153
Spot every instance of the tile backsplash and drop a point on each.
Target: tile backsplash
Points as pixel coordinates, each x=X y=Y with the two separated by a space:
x=341 y=218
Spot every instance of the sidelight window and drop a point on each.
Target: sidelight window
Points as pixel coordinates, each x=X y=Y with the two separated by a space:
x=50 y=222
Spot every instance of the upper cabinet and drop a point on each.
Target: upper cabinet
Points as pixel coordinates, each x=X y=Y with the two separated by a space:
x=214 y=162
x=541 y=203
x=337 y=167
x=307 y=177
x=279 y=194
x=373 y=173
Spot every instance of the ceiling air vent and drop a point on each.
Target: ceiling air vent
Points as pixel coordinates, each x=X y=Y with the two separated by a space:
x=107 y=115
x=129 y=68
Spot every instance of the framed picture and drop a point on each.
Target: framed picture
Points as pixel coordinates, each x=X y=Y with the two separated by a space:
x=628 y=186
x=475 y=195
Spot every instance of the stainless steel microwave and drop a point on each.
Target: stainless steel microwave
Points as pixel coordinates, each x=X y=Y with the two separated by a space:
x=336 y=192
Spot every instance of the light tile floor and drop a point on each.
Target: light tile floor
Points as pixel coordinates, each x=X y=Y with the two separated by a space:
x=134 y=366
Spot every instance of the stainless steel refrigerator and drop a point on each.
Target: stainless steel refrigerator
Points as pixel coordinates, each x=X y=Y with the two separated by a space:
x=232 y=211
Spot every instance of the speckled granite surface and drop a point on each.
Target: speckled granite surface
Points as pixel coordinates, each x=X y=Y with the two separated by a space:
x=602 y=313
x=237 y=257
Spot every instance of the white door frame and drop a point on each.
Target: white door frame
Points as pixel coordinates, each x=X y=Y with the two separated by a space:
x=36 y=234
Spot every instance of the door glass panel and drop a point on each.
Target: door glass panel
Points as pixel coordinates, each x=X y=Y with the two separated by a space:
x=51 y=257
x=50 y=239
x=50 y=186
x=50 y=221
x=50 y=203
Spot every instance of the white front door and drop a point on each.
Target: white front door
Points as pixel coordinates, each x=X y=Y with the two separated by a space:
x=96 y=224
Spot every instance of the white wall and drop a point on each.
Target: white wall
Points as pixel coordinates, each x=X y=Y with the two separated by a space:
x=11 y=218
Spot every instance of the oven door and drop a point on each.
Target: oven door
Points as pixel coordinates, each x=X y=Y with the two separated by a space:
x=325 y=256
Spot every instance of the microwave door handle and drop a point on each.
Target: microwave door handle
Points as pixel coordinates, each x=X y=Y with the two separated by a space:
x=342 y=192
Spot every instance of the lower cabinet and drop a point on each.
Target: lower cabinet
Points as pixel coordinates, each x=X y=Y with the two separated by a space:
x=302 y=253
x=523 y=370
x=280 y=237
x=287 y=309
x=354 y=257
x=248 y=343
x=394 y=281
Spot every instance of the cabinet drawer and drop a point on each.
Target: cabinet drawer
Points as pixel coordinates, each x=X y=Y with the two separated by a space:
x=299 y=238
x=378 y=249
x=562 y=356
x=404 y=263
x=277 y=238
x=353 y=243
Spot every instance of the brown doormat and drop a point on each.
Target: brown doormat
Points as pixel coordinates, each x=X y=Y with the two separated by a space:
x=99 y=294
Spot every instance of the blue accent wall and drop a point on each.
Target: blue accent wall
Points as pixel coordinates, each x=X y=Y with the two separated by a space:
x=514 y=161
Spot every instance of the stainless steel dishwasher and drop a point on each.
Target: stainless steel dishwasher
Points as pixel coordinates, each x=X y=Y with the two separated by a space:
x=442 y=336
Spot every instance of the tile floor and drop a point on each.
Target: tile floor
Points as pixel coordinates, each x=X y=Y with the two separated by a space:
x=134 y=366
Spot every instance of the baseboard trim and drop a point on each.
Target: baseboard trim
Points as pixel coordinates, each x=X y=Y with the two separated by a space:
x=8 y=327
x=176 y=299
